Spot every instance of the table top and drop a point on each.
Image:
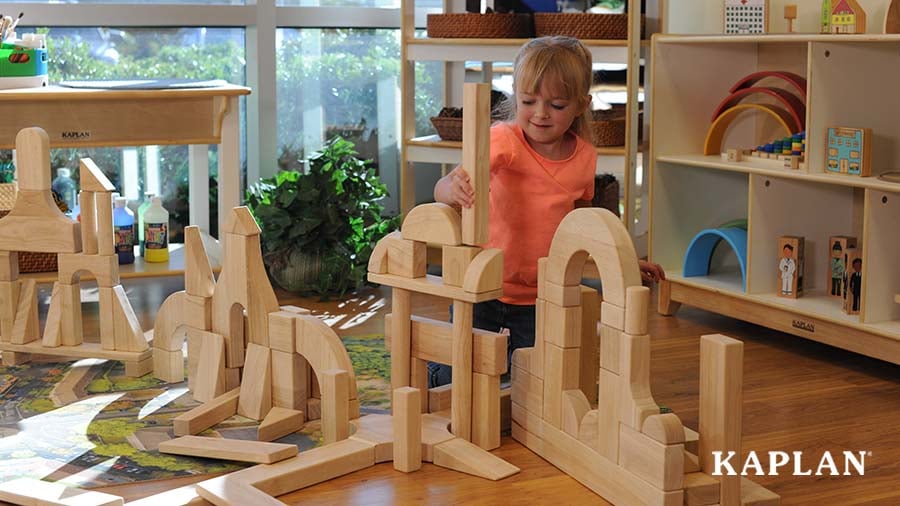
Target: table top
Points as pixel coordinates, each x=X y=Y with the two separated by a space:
x=55 y=93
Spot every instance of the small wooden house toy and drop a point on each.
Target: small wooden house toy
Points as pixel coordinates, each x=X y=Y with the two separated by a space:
x=746 y=16
x=849 y=151
x=847 y=17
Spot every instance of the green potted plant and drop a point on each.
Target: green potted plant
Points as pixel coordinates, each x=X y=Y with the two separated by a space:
x=319 y=227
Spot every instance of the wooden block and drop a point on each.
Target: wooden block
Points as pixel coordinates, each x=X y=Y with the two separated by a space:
x=406 y=258
x=692 y=465
x=229 y=449
x=378 y=260
x=9 y=302
x=608 y=406
x=407 y=423
x=232 y=377
x=71 y=324
x=26 y=327
x=289 y=380
x=128 y=333
x=485 y=273
x=476 y=160
x=14 y=358
x=198 y=276
x=560 y=374
x=610 y=344
x=210 y=380
x=106 y=244
x=612 y=315
x=574 y=408
x=33 y=159
x=587 y=432
x=852 y=302
x=837 y=269
x=660 y=465
x=280 y=422
x=461 y=395
x=721 y=384
x=53 y=326
x=208 y=414
x=9 y=265
x=561 y=325
x=455 y=261
x=168 y=366
x=335 y=385
x=377 y=430
x=256 y=387
x=700 y=489
x=558 y=294
x=636 y=401
x=230 y=490
x=104 y=268
x=282 y=325
x=754 y=494
x=136 y=369
x=434 y=223
x=439 y=398
x=92 y=178
x=637 y=303
x=296 y=310
x=40 y=234
x=589 y=367
x=196 y=311
x=29 y=491
x=463 y=456
x=733 y=155
x=240 y=222
x=431 y=341
x=691 y=440
x=432 y=285
x=527 y=391
x=88 y=223
x=313 y=409
x=790 y=266
x=418 y=379
x=664 y=428
x=400 y=330
x=486 y=411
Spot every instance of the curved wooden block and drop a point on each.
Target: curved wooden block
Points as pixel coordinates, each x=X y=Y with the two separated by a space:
x=794 y=80
x=637 y=303
x=485 y=272
x=665 y=428
x=574 y=408
x=33 y=159
x=600 y=234
x=378 y=260
x=716 y=132
x=323 y=349
x=177 y=311
x=794 y=105
x=434 y=223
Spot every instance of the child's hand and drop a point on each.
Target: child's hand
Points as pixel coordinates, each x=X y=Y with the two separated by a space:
x=651 y=272
x=457 y=190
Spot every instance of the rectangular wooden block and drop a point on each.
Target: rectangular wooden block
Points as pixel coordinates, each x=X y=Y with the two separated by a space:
x=9 y=301
x=208 y=414
x=454 y=262
x=475 y=160
x=486 y=411
x=280 y=422
x=71 y=326
x=210 y=380
x=282 y=325
x=700 y=489
x=107 y=320
x=562 y=325
x=612 y=315
x=406 y=258
x=527 y=391
x=28 y=491
x=610 y=344
x=168 y=365
x=560 y=374
x=556 y=293
x=256 y=386
x=852 y=303
x=9 y=265
x=608 y=415
x=289 y=380
x=407 y=423
x=229 y=449
x=27 y=325
x=335 y=385
x=838 y=270
x=660 y=465
x=790 y=266
x=589 y=368
x=439 y=398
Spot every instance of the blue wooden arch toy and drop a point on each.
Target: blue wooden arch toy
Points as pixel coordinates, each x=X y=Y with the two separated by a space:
x=699 y=251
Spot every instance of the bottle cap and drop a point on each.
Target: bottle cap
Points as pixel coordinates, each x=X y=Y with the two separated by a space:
x=149 y=195
x=156 y=201
x=63 y=172
x=121 y=201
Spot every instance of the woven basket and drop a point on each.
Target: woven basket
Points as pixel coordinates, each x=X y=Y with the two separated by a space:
x=28 y=261
x=608 y=127
x=582 y=25
x=449 y=129
x=470 y=25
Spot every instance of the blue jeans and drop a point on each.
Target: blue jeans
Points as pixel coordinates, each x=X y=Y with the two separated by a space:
x=492 y=315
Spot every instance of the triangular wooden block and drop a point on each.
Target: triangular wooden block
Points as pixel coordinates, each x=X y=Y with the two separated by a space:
x=210 y=380
x=198 y=275
x=52 y=331
x=256 y=387
x=129 y=336
x=241 y=222
x=92 y=178
x=463 y=456
x=279 y=423
x=27 y=325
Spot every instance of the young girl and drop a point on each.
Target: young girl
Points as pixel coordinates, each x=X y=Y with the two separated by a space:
x=541 y=168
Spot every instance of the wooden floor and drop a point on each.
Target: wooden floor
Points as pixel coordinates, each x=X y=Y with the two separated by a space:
x=798 y=396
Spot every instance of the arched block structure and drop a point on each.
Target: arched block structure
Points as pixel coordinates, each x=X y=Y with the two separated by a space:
x=699 y=251
x=716 y=132
x=792 y=104
x=795 y=81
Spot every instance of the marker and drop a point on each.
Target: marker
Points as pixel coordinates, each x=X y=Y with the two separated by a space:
x=12 y=29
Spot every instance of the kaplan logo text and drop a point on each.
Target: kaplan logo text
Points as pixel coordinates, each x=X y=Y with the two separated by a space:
x=854 y=463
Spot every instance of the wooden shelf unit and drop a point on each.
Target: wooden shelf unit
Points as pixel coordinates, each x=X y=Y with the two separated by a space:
x=431 y=149
x=850 y=81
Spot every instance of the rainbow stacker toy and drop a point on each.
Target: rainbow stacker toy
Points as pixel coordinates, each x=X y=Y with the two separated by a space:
x=23 y=62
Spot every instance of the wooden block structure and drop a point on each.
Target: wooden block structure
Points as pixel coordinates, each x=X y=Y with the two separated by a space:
x=624 y=449
x=790 y=266
x=35 y=224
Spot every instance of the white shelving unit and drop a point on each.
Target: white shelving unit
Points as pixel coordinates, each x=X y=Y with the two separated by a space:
x=435 y=150
x=851 y=81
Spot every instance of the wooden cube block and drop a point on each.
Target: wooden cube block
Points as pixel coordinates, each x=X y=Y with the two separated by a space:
x=406 y=258
x=562 y=325
x=454 y=262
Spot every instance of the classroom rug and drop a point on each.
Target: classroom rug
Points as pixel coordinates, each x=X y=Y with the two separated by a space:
x=86 y=424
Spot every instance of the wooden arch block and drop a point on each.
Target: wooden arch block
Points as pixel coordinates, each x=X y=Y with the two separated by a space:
x=434 y=223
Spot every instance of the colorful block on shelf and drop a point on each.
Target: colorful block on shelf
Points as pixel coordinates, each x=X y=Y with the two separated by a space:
x=790 y=266
x=853 y=275
x=837 y=267
x=849 y=151
x=746 y=16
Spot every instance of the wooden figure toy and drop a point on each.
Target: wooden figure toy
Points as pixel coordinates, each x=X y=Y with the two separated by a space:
x=790 y=266
x=853 y=273
x=790 y=14
x=838 y=245
x=746 y=17
x=849 y=151
x=847 y=16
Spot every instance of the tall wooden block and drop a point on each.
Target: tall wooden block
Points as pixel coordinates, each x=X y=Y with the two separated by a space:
x=589 y=366
x=335 y=385
x=407 y=258
x=608 y=408
x=838 y=270
x=660 y=465
x=168 y=365
x=128 y=332
x=290 y=373
x=282 y=325
x=562 y=325
x=635 y=400
x=210 y=380
x=106 y=245
x=454 y=262
x=279 y=423
x=637 y=303
x=71 y=327
x=27 y=325
x=107 y=319
x=721 y=397
x=486 y=411
x=400 y=337
x=88 y=223
x=52 y=328
x=33 y=159
x=9 y=265
x=407 y=421
x=527 y=391
x=476 y=160
x=852 y=303
x=560 y=374
x=9 y=302
x=610 y=344
x=418 y=379
x=790 y=266
x=461 y=405
x=256 y=387
x=198 y=276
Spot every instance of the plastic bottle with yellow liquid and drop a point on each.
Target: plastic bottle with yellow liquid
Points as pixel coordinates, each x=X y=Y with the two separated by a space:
x=156 y=232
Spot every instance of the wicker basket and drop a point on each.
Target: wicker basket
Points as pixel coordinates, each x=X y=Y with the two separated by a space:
x=28 y=261
x=582 y=25
x=470 y=25
x=449 y=129
x=608 y=126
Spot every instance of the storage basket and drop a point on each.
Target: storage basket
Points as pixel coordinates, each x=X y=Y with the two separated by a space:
x=448 y=128
x=28 y=261
x=608 y=126
x=470 y=25
x=582 y=25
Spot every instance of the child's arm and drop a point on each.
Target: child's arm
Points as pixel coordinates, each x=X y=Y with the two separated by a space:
x=651 y=272
x=454 y=189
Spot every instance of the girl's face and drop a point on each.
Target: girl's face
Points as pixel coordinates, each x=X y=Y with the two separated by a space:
x=545 y=116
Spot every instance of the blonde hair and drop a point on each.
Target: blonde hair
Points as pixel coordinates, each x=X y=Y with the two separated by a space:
x=564 y=64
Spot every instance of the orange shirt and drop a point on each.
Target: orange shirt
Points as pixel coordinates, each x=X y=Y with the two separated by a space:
x=529 y=197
